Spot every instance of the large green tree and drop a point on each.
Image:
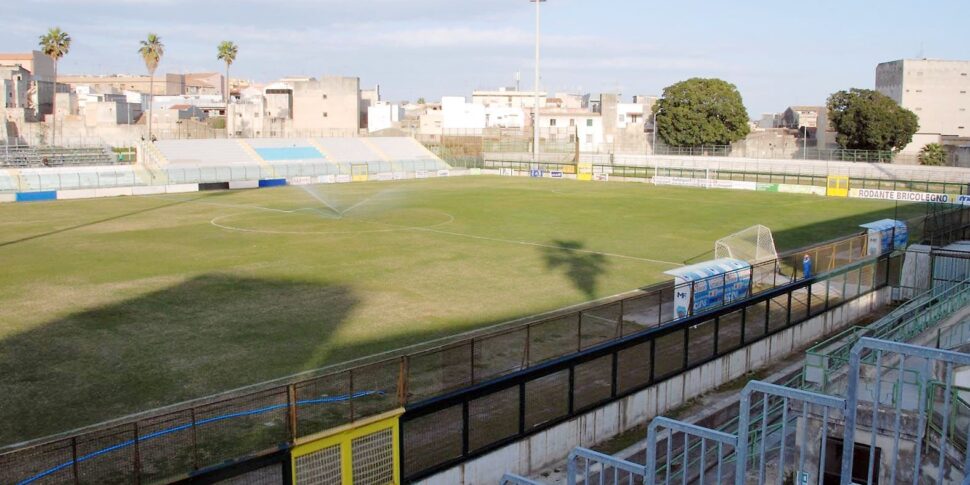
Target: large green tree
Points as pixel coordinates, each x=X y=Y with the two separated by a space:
x=55 y=44
x=701 y=112
x=151 y=51
x=868 y=120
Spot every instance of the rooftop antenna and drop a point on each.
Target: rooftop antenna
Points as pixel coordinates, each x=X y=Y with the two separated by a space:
x=518 y=79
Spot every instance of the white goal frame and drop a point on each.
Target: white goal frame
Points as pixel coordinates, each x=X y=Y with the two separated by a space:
x=754 y=245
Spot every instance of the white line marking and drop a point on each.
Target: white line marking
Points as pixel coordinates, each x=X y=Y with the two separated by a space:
x=398 y=227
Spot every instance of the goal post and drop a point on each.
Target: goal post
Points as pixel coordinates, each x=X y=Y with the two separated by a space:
x=754 y=245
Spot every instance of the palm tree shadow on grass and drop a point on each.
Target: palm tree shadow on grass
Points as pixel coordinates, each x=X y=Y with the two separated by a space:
x=581 y=267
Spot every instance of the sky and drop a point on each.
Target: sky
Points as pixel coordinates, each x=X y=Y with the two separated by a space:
x=778 y=53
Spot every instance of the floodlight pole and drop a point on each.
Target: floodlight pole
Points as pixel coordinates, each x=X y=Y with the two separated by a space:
x=535 y=106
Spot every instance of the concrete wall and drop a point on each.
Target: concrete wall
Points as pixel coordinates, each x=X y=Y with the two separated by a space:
x=937 y=91
x=328 y=103
x=553 y=445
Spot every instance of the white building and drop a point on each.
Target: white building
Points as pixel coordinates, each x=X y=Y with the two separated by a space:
x=575 y=125
x=211 y=104
x=936 y=90
x=509 y=98
x=457 y=114
x=504 y=117
x=383 y=115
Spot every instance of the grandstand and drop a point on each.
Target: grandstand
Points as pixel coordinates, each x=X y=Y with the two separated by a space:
x=23 y=156
x=379 y=154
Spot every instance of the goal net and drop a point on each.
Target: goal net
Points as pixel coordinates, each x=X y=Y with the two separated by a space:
x=754 y=245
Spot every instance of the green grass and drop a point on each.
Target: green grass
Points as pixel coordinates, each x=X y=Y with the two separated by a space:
x=115 y=306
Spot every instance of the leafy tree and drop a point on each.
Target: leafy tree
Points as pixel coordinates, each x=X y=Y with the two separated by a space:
x=55 y=44
x=151 y=52
x=701 y=112
x=868 y=120
x=227 y=53
x=932 y=154
x=421 y=100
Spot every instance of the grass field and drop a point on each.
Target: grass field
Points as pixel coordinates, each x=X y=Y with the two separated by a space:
x=114 y=306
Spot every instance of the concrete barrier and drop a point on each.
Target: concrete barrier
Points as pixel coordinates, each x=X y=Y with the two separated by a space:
x=112 y=192
x=8 y=198
x=181 y=188
x=36 y=196
x=147 y=189
x=76 y=194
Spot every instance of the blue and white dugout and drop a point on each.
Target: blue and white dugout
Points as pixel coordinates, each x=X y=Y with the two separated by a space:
x=886 y=235
x=710 y=284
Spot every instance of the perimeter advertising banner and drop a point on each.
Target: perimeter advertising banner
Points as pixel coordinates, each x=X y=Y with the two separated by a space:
x=706 y=183
x=903 y=196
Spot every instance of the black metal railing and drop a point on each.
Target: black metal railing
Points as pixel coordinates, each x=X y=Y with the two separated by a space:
x=442 y=431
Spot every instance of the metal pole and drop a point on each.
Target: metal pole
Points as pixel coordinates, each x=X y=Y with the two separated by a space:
x=535 y=107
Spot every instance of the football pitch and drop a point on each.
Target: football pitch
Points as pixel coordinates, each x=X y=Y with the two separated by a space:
x=114 y=306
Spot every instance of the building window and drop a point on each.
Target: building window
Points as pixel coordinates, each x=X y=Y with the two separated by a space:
x=324 y=114
x=324 y=95
x=572 y=122
x=552 y=122
x=589 y=138
x=622 y=118
x=959 y=127
x=919 y=90
x=589 y=123
x=963 y=92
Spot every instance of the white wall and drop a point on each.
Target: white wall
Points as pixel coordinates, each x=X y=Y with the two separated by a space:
x=382 y=116
x=460 y=115
x=504 y=117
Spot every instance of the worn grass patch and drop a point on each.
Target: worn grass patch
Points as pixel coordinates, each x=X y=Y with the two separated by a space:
x=113 y=306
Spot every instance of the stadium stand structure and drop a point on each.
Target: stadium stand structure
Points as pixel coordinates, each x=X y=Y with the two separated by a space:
x=379 y=154
x=22 y=156
x=214 y=152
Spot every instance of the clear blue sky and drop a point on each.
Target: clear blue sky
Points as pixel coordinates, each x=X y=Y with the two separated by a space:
x=778 y=53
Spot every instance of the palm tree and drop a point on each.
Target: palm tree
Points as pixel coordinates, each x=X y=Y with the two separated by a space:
x=227 y=53
x=933 y=154
x=151 y=51
x=55 y=44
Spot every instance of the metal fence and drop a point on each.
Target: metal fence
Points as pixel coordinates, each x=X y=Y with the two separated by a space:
x=132 y=176
x=825 y=371
x=182 y=439
x=914 y=180
x=902 y=420
x=799 y=153
x=445 y=430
